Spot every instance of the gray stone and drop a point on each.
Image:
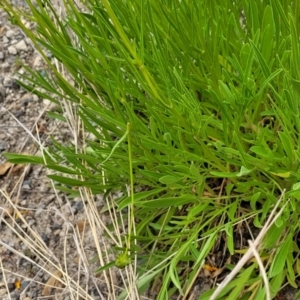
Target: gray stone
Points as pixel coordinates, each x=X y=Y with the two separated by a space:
x=5 y=67
x=5 y=40
x=1 y=55
x=10 y=33
x=2 y=143
x=26 y=186
x=8 y=81
x=12 y=50
x=21 y=46
x=14 y=41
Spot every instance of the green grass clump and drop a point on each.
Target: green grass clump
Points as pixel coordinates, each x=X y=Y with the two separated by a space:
x=193 y=106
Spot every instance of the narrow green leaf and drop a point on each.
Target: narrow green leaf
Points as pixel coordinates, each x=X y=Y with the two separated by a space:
x=261 y=151
x=169 y=179
x=23 y=159
x=229 y=236
x=139 y=196
x=223 y=174
x=282 y=14
x=263 y=63
x=287 y=145
x=167 y=202
x=281 y=255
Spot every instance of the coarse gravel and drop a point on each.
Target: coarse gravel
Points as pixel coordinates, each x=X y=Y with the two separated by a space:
x=32 y=214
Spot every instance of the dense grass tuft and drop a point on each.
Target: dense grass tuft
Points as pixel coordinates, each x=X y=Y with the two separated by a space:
x=192 y=107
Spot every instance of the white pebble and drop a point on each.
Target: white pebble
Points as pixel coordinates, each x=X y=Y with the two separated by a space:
x=14 y=41
x=21 y=45
x=12 y=50
x=5 y=40
x=38 y=62
x=10 y=33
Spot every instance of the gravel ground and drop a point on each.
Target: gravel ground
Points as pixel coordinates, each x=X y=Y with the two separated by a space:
x=30 y=210
x=32 y=215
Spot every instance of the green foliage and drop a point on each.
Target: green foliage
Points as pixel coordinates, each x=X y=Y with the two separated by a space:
x=197 y=102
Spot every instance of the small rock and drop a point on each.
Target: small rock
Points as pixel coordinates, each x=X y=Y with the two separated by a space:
x=12 y=50
x=49 y=54
x=21 y=46
x=10 y=33
x=22 y=71
x=28 y=41
x=14 y=41
x=23 y=203
x=27 y=25
x=57 y=232
x=5 y=67
x=26 y=186
x=3 y=293
x=1 y=55
x=78 y=206
x=5 y=40
x=38 y=62
x=2 y=144
x=8 y=81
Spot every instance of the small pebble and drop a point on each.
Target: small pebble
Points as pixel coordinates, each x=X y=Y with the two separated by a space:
x=21 y=46
x=5 y=67
x=10 y=33
x=28 y=25
x=14 y=41
x=1 y=55
x=78 y=206
x=2 y=144
x=23 y=203
x=8 y=81
x=12 y=50
x=26 y=185
x=38 y=62
x=5 y=40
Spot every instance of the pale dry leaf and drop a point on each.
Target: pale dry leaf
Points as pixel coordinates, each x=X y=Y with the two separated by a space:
x=81 y=225
x=17 y=168
x=2 y=29
x=77 y=259
x=51 y=283
x=5 y=167
x=9 y=211
x=42 y=128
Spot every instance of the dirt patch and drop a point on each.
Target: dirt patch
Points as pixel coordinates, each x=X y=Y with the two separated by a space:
x=47 y=240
